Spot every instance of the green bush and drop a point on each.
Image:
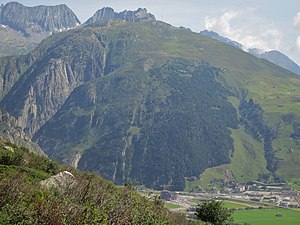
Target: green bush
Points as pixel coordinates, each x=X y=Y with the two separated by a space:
x=214 y=212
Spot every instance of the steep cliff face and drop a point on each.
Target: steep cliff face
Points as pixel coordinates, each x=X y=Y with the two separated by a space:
x=23 y=28
x=37 y=19
x=9 y=131
x=47 y=83
x=11 y=68
x=106 y=14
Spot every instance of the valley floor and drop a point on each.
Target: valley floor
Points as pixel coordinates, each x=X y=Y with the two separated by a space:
x=253 y=208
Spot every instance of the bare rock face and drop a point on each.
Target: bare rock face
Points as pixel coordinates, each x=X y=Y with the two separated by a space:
x=37 y=19
x=106 y=14
x=14 y=134
x=46 y=84
x=11 y=68
x=23 y=28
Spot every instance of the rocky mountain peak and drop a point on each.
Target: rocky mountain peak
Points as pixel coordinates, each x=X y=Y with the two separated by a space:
x=37 y=19
x=216 y=36
x=107 y=13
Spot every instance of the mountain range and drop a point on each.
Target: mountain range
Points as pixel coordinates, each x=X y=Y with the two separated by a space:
x=23 y=28
x=273 y=56
x=142 y=101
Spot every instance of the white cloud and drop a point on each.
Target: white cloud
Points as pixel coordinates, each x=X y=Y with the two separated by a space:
x=298 y=43
x=296 y=48
x=297 y=21
x=251 y=35
x=222 y=23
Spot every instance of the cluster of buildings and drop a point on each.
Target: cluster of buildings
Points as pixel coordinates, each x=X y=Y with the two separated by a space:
x=278 y=194
x=258 y=186
x=260 y=194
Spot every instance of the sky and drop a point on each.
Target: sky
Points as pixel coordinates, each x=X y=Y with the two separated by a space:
x=262 y=24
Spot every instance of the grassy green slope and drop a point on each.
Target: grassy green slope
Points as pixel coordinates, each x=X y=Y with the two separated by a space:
x=263 y=80
x=246 y=164
x=275 y=89
x=88 y=199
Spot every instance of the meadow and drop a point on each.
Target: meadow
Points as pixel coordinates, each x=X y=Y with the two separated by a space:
x=267 y=216
x=235 y=205
x=170 y=205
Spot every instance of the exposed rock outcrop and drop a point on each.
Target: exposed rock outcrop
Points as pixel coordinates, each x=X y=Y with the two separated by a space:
x=11 y=68
x=106 y=13
x=12 y=133
x=61 y=180
x=46 y=84
x=23 y=28
x=37 y=19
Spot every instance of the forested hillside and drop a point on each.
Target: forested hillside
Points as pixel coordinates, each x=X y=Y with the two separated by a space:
x=153 y=104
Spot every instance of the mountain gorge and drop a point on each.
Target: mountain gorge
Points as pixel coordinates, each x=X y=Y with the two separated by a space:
x=140 y=100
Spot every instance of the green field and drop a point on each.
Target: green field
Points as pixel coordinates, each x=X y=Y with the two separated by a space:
x=172 y=205
x=267 y=217
x=234 y=205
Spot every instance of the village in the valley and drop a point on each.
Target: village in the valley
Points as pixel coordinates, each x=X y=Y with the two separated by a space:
x=254 y=195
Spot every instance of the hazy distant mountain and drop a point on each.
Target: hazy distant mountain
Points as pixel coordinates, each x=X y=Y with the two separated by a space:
x=108 y=13
x=22 y=28
x=279 y=59
x=275 y=57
